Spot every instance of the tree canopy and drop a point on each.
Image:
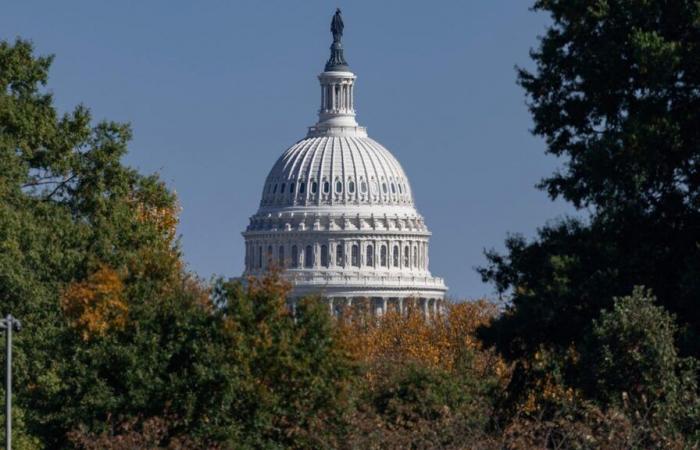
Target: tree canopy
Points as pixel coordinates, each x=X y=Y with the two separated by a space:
x=616 y=95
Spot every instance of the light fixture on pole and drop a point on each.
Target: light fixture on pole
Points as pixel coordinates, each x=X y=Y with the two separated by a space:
x=9 y=324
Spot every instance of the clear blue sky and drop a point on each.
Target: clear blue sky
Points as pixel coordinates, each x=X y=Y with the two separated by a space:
x=217 y=90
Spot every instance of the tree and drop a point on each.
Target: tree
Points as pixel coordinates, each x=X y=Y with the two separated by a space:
x=631 y=362
x=616 y=95
x=117 y=335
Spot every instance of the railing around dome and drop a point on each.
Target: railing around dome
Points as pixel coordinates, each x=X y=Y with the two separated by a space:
x=362 y=279
x=340 y=130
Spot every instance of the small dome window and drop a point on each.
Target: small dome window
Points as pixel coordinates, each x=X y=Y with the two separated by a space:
x=383 y=187
x=314 y=187
x=302 y=187
x=282 y=188
x=324 y=256
x=400 y=190
x=351 y=187
x=338 y=186
x=274 y=190
x=339 y=255
x=326 y=187
x=393 y=188
x=295 y=257
x=363 y=187
x=309 y=257
x=291 y=188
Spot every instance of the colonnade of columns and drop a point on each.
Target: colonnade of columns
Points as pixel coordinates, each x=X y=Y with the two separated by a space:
x=360 y=253
x=379 y=306
x=338 y=97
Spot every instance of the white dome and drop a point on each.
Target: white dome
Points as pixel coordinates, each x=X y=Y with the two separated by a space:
x=337 y=170
x=337 y=213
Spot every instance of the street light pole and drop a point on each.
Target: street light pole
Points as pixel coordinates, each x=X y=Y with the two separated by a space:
x=9 y=324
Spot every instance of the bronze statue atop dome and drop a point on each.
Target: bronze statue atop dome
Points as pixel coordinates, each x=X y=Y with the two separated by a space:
x=337 y=61
x=337 y=26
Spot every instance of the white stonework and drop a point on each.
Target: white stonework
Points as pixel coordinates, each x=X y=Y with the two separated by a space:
x=337 y=215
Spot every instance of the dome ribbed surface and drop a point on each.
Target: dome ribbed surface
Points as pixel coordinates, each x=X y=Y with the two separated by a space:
x=327 y=170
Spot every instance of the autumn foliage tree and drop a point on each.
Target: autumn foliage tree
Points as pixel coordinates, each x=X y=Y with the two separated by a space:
x=425 y=383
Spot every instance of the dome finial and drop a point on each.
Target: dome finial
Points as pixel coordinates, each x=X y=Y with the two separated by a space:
x=337 y=61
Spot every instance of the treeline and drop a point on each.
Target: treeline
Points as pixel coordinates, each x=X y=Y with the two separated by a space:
x=122 y=348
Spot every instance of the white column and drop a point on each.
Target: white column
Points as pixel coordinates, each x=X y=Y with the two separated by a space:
x=332 y=89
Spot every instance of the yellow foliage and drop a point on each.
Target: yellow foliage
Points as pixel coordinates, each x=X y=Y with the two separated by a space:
x=441 y=342
x=548 y=388
x=161 y=259
x=96 y=305
x=164 y=219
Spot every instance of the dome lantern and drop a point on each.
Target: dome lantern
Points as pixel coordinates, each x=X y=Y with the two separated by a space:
x=337 y=113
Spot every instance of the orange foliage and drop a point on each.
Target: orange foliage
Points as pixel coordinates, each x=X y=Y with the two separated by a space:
x=96 y=305
x=447 y=342
x=164 y=218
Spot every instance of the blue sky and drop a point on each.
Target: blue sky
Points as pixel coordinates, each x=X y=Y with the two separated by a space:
x=217 y=90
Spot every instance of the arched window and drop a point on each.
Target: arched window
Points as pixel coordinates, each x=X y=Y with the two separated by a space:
x=314 y=187
x=356 y=255
x=326 y=187
x=351 y=187
x=259 y=257
x=393 y=188
x=309 y=257
x=280 y=256
x=339 y=255
x=269 y=255
x=302 y=187
x=295 y=257
x=274 y=189
x=363 y=187
x=400 y=190
x=291 y=188
x=382 y=256
x=383 y=187
x=282 y=188
x=338 y=186
x=415 y=256
x=324 y=255
x=370 y=256
x=406 y=257
x=396 y=256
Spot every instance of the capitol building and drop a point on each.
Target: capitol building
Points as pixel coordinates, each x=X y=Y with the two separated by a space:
x=337 y=212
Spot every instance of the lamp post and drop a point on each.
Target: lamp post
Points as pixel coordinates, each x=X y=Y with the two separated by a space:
x=9 y=324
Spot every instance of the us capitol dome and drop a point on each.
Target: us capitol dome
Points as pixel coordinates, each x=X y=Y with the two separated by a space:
x=337 y=212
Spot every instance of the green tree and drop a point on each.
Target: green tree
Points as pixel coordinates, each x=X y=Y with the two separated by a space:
x=631 y=363
x=67 y=207
x=616 y=95
x=117 y=335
